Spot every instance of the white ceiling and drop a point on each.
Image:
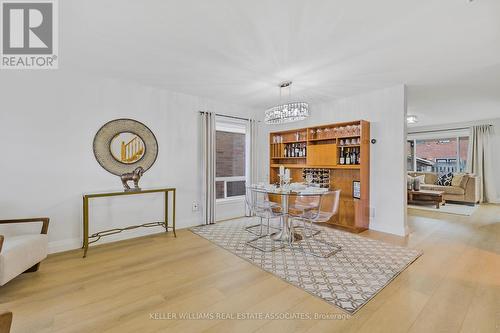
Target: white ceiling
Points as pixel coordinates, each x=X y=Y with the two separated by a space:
x=465 y=97
x=238 y=51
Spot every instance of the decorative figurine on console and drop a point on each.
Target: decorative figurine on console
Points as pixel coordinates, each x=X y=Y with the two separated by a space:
x=134 y=176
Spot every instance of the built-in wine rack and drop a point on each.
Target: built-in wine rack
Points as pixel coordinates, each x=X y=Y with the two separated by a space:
x=319 y=177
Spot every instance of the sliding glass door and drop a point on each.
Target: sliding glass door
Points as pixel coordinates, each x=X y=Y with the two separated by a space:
x=443 y=153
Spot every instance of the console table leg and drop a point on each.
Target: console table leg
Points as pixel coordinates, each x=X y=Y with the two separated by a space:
x=166 y=211
x=85 y=226
x=173 y=213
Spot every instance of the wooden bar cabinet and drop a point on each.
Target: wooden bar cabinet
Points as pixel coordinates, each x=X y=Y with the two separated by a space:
x=324 y=148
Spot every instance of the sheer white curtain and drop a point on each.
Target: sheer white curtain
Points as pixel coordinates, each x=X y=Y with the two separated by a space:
x=208 y=165
x=480 y=160
x=252 y=165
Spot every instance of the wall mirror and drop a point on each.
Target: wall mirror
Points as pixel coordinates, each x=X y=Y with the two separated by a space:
x=122 y=145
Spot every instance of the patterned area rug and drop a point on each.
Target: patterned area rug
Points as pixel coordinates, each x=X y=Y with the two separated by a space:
x=347 y=279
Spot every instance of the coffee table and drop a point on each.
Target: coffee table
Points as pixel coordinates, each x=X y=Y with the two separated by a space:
x=426 y=196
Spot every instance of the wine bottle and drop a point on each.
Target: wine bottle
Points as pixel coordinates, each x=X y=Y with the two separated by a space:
x=358 y=161
x=342 y=159
x=347 y=157
x=285 y=153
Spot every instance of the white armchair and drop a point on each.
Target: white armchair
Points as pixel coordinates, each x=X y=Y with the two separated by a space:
x=23 y=253
x=5 y=321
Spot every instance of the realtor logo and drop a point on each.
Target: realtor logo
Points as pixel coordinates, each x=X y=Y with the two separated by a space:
x=29 y=34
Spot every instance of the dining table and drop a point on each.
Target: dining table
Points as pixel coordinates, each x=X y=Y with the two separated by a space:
x=287 y=232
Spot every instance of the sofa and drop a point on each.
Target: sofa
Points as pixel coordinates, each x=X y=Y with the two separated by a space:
x=465 y=191
x=22 y=253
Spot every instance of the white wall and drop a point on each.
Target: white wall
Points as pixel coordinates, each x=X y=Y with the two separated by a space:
x=229 y=209
x=48 y=120
x=385 y=109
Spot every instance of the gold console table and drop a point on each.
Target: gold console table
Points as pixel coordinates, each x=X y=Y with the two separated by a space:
x=96 y=236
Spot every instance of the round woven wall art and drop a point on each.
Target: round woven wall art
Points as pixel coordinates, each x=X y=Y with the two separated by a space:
x=122 y=145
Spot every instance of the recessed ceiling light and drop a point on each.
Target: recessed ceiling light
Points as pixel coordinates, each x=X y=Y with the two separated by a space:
x=411 y=119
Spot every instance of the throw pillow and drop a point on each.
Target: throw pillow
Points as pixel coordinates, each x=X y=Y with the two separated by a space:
x=457 y=179
x=421 y=179
x=445 y=179
x=465 y=180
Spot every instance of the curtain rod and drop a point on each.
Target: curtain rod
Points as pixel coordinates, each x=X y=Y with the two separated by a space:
x=445 y=129
x=440 y=130
x=227 y=116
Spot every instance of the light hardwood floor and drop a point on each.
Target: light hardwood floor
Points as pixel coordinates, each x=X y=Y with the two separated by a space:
x=453 y=287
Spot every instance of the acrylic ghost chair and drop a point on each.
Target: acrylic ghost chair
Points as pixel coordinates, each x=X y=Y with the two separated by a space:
x=260 y=206
x=319 y=211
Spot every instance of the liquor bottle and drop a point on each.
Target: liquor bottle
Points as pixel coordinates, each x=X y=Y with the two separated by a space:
x=353 y=156
x=300 y=151
x=347 y=157
x=342 y=159
x=297 y=151
x=285 y=153
x=305 y=150
x=358 y=161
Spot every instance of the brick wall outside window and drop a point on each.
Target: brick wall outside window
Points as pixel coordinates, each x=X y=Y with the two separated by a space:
x=442 y=153
x=230 y=162
x=433 y=149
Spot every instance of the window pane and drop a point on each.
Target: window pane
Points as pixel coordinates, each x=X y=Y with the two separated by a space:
x=219 y=190
x=230 y=158
x=463 y=151
x=410 y=155
x=235 y=188
x=437 y=155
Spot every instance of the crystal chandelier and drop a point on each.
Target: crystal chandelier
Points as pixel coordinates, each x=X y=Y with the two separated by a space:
x=288 y=112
